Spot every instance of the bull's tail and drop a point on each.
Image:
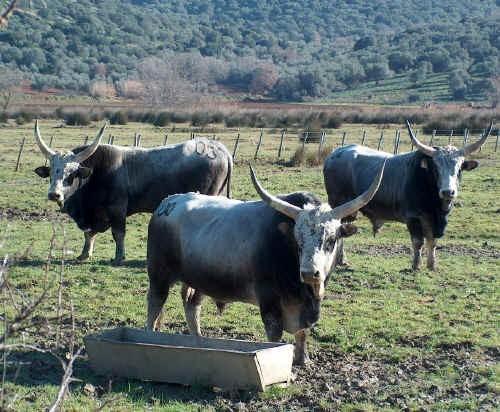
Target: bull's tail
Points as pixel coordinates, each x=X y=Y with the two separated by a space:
x=227 y=181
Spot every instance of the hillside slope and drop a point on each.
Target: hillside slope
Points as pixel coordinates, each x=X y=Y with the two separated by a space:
x=285 y=49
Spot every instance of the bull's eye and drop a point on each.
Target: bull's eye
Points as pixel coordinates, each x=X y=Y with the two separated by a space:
x=69 y=180
x=330 y=244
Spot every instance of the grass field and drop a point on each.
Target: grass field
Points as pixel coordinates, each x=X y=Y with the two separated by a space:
x=388 y=338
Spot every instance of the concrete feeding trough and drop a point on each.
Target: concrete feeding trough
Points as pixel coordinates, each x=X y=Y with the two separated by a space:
x=189 y=360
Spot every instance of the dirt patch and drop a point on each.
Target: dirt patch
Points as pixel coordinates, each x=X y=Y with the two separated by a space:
x=453 y=250
x=14 y=213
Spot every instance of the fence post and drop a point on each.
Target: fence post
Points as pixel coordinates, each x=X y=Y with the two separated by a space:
x=395 y=150
x=50 y=145
x=192 y=135
x=304 y=140
x=498 y=135
x=86 y=140
x=20 y=153
x=165 y=140
x=482 y=134
x=135 y=139
x=236 y=146
x=381 y=140
x=363 y=138
x=449 y=137
x=281 y=143
x=110 y=139
x=432 y=137
x=258 y=144
x=343 y=138
x=466 y=132
x=320 y=145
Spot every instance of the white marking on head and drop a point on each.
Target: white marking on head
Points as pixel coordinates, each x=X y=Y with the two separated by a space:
x=448 y=162
x=316 y=234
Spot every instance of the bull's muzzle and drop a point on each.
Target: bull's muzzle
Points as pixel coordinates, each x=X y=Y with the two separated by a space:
x=55 y=196
x=314 y=280
x=448 y=194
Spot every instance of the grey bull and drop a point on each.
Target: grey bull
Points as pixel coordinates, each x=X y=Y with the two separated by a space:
x=418 y=187
x=276 y=253
x=100 y=185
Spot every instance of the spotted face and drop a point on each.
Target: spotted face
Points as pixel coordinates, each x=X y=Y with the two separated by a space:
x=66 y=176
x=317 y=233
x=448 y=163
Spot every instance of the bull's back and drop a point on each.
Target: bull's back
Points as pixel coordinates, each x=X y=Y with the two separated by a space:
x=194 y=166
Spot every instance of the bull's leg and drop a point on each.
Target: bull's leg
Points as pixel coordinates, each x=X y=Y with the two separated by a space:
x=88 y=246
x=341 y=255
x=300 y=356
x=417 y=240
x=118 y=231
x=270 y=313
x=157 y=295
x=430 y=245
x=191 y=300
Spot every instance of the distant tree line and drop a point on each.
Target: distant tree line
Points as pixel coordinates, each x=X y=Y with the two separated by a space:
x=285 y=50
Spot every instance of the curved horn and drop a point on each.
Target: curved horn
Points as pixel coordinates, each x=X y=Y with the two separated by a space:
x=428 y=150
x=470 y=148
x=280 y=205
x=354 y=205
x=46 y=150
x=90 y=149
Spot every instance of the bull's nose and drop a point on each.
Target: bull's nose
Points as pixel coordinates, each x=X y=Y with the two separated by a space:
x=54 y=196
x=448 y=194
x=310 y=274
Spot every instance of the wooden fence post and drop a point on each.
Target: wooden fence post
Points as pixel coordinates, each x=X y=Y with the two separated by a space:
x=50 y=145
x=320 y=145
x=139 y=137
x=192 y=135
x=110 y=139
x=281 y=143
x=236 y=146
x=18 y=163
x=381 y=140
x=258 y=144
x=304 y=140
x=449 y=137
x=395 y=148
x=498 y=135
x=431 y=143
x=86 y=140
x=165 y=140
x=343 y=139
x=466 y=133
x=135 y=139
x=363 y=138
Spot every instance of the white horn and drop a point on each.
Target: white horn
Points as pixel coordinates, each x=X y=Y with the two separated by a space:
x=46 y=150
x=354 y=205
x=280 y=205
x=89 y=151
x=428 y=150
x=471 y=148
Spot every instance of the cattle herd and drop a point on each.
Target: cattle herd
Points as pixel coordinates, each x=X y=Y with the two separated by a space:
x=276 y=253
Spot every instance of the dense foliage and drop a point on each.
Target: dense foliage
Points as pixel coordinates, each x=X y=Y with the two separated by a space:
x=287 y=49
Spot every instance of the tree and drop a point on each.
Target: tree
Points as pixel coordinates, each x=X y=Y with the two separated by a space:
x=9 y=80
x=264 y=78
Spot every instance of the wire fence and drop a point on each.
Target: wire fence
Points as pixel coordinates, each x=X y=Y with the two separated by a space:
x=255 y=144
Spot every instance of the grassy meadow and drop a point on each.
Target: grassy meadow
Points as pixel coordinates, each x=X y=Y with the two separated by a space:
x=388 y=338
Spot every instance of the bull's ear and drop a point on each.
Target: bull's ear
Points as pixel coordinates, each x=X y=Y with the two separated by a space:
x=348 y=229
x=43 y=171
x=84 y=172
x=423 y=164
x=470 y=165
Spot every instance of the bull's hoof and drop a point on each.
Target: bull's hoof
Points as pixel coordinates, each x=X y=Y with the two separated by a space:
x=301 y=360
x=83 y=257
x=117 y=261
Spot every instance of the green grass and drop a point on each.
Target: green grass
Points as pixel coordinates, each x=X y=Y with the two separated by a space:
x=388 y=338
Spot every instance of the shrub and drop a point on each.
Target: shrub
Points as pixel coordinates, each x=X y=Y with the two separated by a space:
x=162 y=119
x=4 y=117
x=304 y=156
x=77 y=119
x=200 y=119
x=119 y=117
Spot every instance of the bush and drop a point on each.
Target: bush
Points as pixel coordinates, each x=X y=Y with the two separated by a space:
x=162 y=119
x=77 y=119
x=200 y=119
x=304 y=156
x=119 y=117
x=4 y=117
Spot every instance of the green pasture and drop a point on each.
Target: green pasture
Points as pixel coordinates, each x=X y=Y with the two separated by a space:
x=388 y=338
